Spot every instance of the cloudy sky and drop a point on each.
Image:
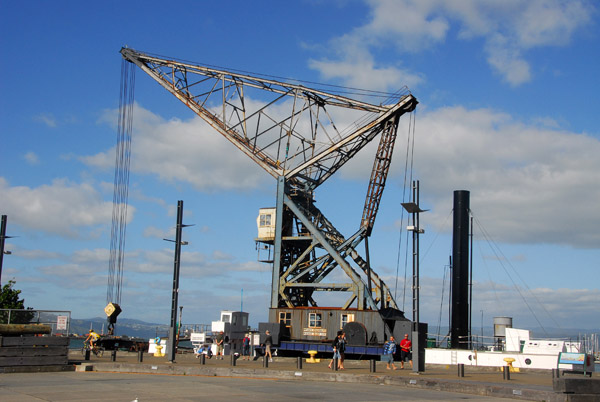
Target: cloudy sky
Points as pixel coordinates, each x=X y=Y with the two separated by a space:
x=509 y=110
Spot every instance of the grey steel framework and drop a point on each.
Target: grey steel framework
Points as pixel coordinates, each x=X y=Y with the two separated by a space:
x=301 y=136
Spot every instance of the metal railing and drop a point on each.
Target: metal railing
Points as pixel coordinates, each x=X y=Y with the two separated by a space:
x=58 y=320
x=475 y=342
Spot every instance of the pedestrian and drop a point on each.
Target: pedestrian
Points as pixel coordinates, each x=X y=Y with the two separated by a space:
x=342 y=350
x=220 y=342
x=389 y=348
x=246 y=347
x=268 y=343
x=405 y=346
x=335 y=345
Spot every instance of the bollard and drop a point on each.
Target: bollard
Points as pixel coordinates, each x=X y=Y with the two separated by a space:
x=87 y=354
x=265 y=361
x=203 y=359
x=299 y=363
x=506 y=373
x=461 y=370
x=373 y=366
x=335 y=364
x=233 y=359
x=140 y=356
x=113 y=356
x=555 y=373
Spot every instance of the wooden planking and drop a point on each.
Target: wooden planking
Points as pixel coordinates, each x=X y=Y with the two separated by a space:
x=33 y=360
x=9 y=341
x=34 y=351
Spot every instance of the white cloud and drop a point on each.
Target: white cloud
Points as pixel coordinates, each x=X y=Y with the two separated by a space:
x=550 y=308
x=31 y=158
x=358 y=69
x=506 y=60
x=62 y=207
x=47 y=118
x=550 y=23
x=187 y=151
x=527 y=182
x=508 y=29
x=152 y=231
x=409 y=24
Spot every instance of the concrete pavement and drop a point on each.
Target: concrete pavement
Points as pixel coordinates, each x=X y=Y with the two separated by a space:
x=356 y=379
x=482 y=382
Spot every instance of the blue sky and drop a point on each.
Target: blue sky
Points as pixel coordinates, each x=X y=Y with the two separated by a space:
x=508 y=110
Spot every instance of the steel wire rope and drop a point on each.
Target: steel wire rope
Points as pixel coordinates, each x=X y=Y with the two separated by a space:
x=500 y=257
x=121 y=183
x=409 y=156
x=446 y=269
x=359 y=91
x=489 y=275
x=528 y=288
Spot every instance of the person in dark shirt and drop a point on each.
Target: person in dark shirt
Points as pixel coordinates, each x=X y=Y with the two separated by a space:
x=220 y=343
x=338 y=345
x=268 y=343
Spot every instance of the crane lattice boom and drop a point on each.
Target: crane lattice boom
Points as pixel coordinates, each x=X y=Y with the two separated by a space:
x=301 y=136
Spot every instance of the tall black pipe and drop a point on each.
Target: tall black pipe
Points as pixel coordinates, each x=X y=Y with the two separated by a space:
x=460 y=272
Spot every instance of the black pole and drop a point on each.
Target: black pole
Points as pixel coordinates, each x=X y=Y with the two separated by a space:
x=418 y=334
x=172 y=331
x=2 y=238
x=460 y=271
x=471 y=287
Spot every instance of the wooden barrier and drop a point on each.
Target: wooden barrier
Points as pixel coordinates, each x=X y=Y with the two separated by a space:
x=33 y=351
x=24 y=329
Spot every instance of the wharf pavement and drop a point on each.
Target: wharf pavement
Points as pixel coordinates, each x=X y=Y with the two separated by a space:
x=533 y=385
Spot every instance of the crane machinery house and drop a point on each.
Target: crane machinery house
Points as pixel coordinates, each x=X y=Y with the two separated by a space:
x=266 y=223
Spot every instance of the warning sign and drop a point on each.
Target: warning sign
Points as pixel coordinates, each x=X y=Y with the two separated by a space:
x=61 y=322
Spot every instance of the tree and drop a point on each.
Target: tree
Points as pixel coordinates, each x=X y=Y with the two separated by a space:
x=9 y=299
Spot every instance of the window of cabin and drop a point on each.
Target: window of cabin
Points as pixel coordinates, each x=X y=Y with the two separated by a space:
x=265 y=219
x=314 y=320
x=285 y=318
x=346 y=318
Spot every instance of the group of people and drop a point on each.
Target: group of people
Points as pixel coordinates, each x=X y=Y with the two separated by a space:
x=338 y=345
x=339 y=349
x=389 y=350
x=220 y=341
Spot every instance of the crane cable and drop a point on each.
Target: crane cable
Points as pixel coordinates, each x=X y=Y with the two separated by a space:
x=408 y=172
x=121 y=183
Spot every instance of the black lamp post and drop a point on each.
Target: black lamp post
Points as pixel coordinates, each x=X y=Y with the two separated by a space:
x=3 y=237
x=418 y=346
x=172 y=347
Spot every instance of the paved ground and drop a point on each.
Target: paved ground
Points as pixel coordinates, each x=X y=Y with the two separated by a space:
x=95 y=386
x=155 y=379
x=541 y=379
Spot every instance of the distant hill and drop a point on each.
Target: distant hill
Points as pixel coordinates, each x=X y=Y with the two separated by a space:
x=125 y=326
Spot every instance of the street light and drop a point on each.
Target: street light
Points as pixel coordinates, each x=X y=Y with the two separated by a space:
x=3 y=237
x=414 y=209
x=178 y=243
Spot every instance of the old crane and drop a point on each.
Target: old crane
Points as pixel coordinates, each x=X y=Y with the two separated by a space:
x=288 y=129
